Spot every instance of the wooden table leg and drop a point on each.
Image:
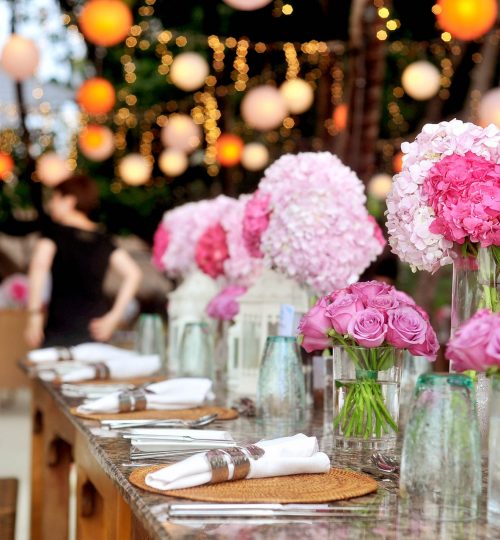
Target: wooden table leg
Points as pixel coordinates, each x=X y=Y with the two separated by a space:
x=102 y=513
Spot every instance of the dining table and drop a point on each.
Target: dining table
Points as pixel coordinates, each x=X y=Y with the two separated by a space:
x=108 y=506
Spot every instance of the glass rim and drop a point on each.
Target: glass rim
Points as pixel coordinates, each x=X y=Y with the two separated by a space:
x=445 y=379
x=361 y=348
x=281 y=338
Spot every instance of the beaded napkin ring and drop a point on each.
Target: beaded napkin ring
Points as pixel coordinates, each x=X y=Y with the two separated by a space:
x=238 y=456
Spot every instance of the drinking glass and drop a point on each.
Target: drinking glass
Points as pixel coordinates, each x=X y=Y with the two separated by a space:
x=281 y=390
x=441 y=459
x=196 y=351
x=150 y=337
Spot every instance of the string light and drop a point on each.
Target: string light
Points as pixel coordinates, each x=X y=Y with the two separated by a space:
x=240 y=73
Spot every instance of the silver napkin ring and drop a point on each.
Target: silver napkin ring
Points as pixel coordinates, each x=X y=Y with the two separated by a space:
x=101 y=370
x=64 y=354
x=134 y=400
x=218 y=464
x=240 y=461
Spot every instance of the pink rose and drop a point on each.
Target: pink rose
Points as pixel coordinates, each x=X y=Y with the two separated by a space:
x=255 y=222
x=314 y=327
x=160 y=246
x=342 y=309
x=368 y=289
x=383 y=302
x=404 y=298
x=493 y=348
x=368 y=328
x=406 y=327
x=212 y=251
x=429 y=348
x=224 y=306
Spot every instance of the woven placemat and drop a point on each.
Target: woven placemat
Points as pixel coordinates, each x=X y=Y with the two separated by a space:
x=335 y=485
x=184 y=414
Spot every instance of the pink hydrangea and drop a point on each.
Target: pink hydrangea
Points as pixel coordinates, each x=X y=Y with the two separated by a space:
x=255 y=222
x=225 y=306
x=160 y=245
x=319 y=232
x=211 y=251
x=410 y=215
x=14 y=291
x=377 y=232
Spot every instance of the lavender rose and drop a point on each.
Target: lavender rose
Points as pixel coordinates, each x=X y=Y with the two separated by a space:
x=313 y=328
x=368 y=328
x=429 y=348
x=342 y=309
x=383 y=302
x=405 y=327
x=368 y=289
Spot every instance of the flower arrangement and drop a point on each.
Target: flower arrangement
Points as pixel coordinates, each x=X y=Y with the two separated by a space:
x=447 y=194
x=224 y=306
x=369 y=320
x=179 y=231
x=308 y=220
x=475 y=346
x=14 y=291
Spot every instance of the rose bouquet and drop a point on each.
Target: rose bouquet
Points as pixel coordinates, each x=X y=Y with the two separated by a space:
x=370 y=321
x=224 y=305
x=14 y=291
x=308 y=220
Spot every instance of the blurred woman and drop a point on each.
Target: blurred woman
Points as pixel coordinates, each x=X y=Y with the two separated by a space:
x=77 y=254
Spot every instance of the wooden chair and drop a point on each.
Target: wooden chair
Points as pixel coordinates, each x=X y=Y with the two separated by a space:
x=8 y=505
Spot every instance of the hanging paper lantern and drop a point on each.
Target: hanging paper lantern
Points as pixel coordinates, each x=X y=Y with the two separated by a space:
x=96 y=142
x=298 y=95
x=340 y=117
x=379 y=186
x=173 y=162
x=255 y=156
x=397 y=162
x=6 y=165
x=181 y=132
x=189 y=71
x=421 y=80
x=96 y=96
x=135 y=169
x=105 y=22
x=19 y=57
x=247 y=5
x=264 y=108
x=228 y=149
x=52 y=169
x=489 y=108
x=466 y=19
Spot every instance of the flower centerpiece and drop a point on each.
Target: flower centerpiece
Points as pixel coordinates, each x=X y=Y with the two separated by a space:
x=14 y=292
x=368 y=325
x=308 y=221
x=444 y=207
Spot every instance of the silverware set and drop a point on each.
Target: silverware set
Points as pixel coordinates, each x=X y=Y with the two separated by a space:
x=171 y=422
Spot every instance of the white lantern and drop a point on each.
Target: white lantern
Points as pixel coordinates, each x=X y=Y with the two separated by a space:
x=96 y=142
x=298 y=95
x=264 y=108
x=247 y=5
x=489 y=108
x=52 y=169
x=189 y=71
x=173 y=162
x=379 y=186
x=135 y=169
x=19 y=57
x=421 y=80
x=181 y=133
x=255 y=156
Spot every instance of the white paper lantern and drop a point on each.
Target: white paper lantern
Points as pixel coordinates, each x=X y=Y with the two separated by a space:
x=52 y=169
x=298 y=95
x=135 y=169
x=19 y=57
x=181 y=133
x=379 y=186
x=173 y=162
x=189 y=71
x=247 y=5
x=255 y=156
x=421 y=80
x=489 y=108
x=264 y=108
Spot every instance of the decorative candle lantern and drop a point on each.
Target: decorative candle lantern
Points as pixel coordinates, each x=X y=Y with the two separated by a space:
x=339 y=117
x=96 y=96
x=489 y=108
x=379 y=186
x=96 y=142
x=189 y=71
x=421 y=80
x=20 y=57
x=264 y=108
x=298 y=95
x=228 y=149
x=173 y=162
x=466 y=19
x=255 y=156
x=181 y=132
x=52 y=169
x=247 y=5
x=105 y=22
x=135 y=169
x=397 y=162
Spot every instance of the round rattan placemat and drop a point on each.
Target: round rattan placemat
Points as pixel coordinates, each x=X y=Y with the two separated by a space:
x=184 y=414
x=335 y=485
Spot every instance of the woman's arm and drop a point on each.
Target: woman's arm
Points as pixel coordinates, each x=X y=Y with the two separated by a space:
x=102 y=328
x=40 y=265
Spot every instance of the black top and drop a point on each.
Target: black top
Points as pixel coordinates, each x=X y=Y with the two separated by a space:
x=78 y=272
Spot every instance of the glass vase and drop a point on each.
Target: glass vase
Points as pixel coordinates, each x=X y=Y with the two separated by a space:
x=440 y=475
x=281 y=393
x=150 y=338
x=494 y=451
x=196 y=352
x=361 y=399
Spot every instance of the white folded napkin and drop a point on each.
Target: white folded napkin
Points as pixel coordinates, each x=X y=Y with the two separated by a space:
x=119 y=368
x=85 y=352
x=172 y=394
x=284 y=456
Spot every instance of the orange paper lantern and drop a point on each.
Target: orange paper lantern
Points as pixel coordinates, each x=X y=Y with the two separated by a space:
x=340 y=117
x=6 y=165
x=96 y=142
x=397 y=162
x=96 y=96
x=466 y=19
x=105 y=22
x=229 y=149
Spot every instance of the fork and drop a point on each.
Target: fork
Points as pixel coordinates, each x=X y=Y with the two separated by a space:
x=171 y=422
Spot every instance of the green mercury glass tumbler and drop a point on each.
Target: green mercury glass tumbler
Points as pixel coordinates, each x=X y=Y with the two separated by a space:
x=196 y=351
